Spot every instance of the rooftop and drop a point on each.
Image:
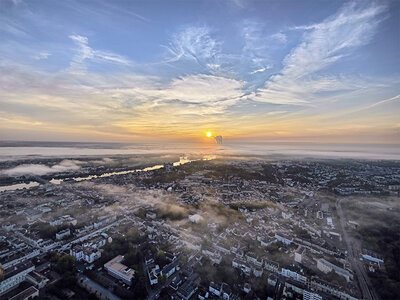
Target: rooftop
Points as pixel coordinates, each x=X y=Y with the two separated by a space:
x=25 y=294
x=116 y=266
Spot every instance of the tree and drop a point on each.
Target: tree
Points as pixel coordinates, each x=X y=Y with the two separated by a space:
x=65 y=264
x=162 y=279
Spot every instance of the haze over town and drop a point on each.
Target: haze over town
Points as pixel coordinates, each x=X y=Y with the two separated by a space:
x=231 y=149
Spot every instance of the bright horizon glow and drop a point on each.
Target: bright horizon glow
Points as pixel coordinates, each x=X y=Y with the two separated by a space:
x=144 y=71
x=209 y=134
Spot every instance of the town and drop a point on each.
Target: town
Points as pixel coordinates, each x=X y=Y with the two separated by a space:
x=204 y=228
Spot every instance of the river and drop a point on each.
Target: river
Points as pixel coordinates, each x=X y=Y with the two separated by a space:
x=31 y=184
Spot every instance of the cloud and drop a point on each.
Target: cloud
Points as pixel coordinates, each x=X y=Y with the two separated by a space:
x=395 y=98
x=127 y=104
x=41 y=55
x=255 y=50
x=239 y=3
x=11 y=27
x=261 y=69
x=326 y=42
x=37 y=169
x=280 y=37
x=200 y=82
x=85 y=52
x=193 y=43
x=322 y=45
x=194 y=94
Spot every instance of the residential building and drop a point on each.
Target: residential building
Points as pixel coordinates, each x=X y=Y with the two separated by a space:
x=62 y=234
x=15 y=275
x=326 y=267
x=27 y=294
x=308 y=295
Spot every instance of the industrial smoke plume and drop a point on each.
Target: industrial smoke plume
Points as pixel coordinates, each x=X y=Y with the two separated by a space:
x=218 y=139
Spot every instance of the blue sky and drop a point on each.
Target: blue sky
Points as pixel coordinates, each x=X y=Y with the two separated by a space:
x=143 y=70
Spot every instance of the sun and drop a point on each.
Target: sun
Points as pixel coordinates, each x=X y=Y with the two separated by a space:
x=209 y=133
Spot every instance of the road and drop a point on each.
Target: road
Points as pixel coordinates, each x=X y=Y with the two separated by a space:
x=96 y=288
x=353 y=251
x=153 y=294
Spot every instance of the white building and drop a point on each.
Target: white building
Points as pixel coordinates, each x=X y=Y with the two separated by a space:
x=27 y=294
x=299 y=254
x=326 y=267
x=286 y=215
x=63 y=233
x=216 y=289
x=116 y=269
x=294 y=275
x=15 y=275
x=307 y=295
x=21 y=258
x=283 y=239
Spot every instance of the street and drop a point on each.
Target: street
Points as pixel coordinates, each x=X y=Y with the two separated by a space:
x=354 y=249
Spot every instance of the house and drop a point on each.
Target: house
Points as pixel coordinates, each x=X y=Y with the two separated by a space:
x=293 y=287
x=247 y=288
x=214 y=288
x=258 y=272
x=272 y=279
x=170 y=269
x=271 y=266
x=63 y=233
x=226 y=291
x=90 y=255
x=187 y=289
x=265 y=242
x=176 y=281
x=37 y=279
x=77 y=252
x=240 y=264
x=254 y=261
x=153 y=271
x=308 y=295
x=294 y=275
x=203 y=294
x=299 y=254
x=151 y=215
x=286 y=215
x=149 y=259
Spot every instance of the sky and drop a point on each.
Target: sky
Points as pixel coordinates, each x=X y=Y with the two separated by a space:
x=133 y=71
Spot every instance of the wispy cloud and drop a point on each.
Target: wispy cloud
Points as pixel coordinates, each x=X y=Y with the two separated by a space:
x=85 y=52
x=255 y=49
x=325 y=43
x=322 y=45
x=243 y=76
x=41 y=55
x=392 y=99
x=280 y=37
x=116 y=103
x=9 y=26
x=261 y=69
x=193 y=43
